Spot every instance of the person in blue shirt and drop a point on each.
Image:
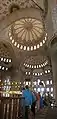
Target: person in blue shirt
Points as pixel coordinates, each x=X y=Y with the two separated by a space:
x=41 y=102
x=27 y=94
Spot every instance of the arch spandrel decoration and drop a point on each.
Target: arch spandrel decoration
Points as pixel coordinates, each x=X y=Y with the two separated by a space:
x=6 y=54
x=6 y=6
x=22 y=13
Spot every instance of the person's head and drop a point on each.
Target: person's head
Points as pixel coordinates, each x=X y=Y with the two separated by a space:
x=39 y=93
x=27 y=87
x=23 y=88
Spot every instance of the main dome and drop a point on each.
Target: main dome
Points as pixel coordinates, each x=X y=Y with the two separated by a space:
x=28 y=29
x=28 y=33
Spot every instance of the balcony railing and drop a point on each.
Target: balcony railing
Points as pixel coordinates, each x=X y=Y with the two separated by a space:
x=12 y=108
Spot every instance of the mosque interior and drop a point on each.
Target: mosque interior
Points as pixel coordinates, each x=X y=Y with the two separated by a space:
x=28 y=46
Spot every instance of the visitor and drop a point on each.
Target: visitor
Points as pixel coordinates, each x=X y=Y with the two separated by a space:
x=41 y=103
x=38 y=101
x=27 y=94
x=33 y=103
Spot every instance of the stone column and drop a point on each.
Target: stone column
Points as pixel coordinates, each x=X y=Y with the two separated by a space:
x=54 y=68
x=54 y=65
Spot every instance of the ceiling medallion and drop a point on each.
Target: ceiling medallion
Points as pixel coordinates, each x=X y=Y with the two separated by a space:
x=27 y=33
x=28 y=29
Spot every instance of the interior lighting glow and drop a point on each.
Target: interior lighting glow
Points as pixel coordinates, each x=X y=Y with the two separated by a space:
x=46 y=34
x=20 y=82
x=45 y=38
x=29 y=83
x=38 y=89
x=24 y=64
x=16 y=83
x=6 y=69
x=38 y=81
x=35 y=74
x=35 y=66
x=31 y=47
x=29 y=73
x=38 y=74
x=13 y=41
x=34 y=47
x=28 y=48
x=43 y=41
x=32 y=66
x=3 y=94
x=46 y=94
x=1 y=59
x=51 y=82
x=41 y=44
x=43 y=64
x=10 y=37
x=51 y=95
x=5 y=81
x=46 y=62
x=21 y=47
x=18 y=46
x=7 y=87
x=26 y=82
x=46 y=71
x=41 y=74
x=47 y=89
x=8 y=83
x=47 y=82
x=51 y=89
x=8 y=95
x=39 y=66
x=24 y=47
x=34 y=89
x=28 y=65
x=0 y=67
x=9 y=33
x=42 y=89
x=4 y=59
x=26 y=73
x=9 y=60
x=38 y=46
x=52 y=105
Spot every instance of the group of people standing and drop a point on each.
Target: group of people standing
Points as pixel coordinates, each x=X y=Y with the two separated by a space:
x=31 y=100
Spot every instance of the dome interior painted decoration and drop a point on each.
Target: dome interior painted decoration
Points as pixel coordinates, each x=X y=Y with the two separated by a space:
x=25 y=36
